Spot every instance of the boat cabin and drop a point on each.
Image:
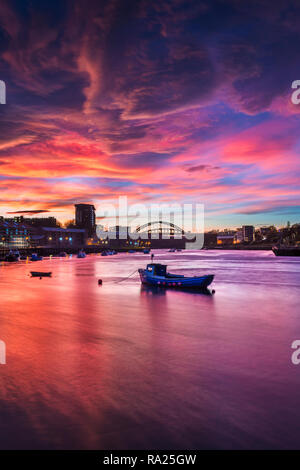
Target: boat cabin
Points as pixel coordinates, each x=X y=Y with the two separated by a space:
x=157 y=269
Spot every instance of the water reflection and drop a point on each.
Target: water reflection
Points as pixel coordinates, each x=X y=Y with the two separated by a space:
x=152 y=290
x=125 y=366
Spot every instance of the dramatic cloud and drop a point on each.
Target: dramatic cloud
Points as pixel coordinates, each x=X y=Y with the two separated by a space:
x=33 y=212
x=162 y=101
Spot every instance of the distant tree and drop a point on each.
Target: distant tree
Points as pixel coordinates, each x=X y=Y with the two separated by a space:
x=258 y=236
x=291 y=234
x=273 y=235
x=70 y=224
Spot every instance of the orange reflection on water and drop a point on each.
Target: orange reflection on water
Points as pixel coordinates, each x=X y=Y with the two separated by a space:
x=123 y=366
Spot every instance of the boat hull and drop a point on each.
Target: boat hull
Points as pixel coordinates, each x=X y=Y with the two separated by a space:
x=176 y=282
x=293 y=251
x=11 y=258
x=40 y=274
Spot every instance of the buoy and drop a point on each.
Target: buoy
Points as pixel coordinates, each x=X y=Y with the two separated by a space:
x=213 y=291
x=100 y=282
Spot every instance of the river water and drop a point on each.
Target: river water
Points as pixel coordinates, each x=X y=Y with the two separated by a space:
x=118 y=366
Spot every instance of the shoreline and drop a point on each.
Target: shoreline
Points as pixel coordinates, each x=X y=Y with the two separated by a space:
x=46 y=252
x=240 y=248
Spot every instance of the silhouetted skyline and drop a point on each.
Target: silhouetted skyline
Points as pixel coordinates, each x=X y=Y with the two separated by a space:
x=173 y=101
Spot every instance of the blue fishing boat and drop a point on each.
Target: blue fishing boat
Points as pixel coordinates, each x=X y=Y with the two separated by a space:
x=156 y=275
x=146 y=251
x=36 y=257
x=81 y=254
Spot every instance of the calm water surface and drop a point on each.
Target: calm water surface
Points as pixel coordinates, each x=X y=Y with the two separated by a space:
x=120 y=366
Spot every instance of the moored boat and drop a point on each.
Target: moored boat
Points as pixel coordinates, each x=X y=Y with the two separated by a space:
x=40 y=274
x=146 y=251
x=156 y=275
x=81 y=254
x=286 y=250
x=36 y=257
x=12 y=256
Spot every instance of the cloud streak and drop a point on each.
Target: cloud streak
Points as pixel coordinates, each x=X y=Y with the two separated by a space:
x=177 y=100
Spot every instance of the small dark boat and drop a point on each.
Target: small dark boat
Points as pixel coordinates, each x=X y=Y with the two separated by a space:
x=81 y=254
x=40 y=274
x=286 y=250
x=12 y=256
x=156 y=275
x=146 y=251
x=36 y=257
x=62 y=254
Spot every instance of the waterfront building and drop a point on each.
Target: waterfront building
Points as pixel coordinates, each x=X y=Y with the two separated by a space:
x=248 y=233
x=267 y=231
x=227 y=237
x=223 y=239
x=57 y=237
x=13 y=235
x=210 y=238
x=85 y=218
x=239 y=235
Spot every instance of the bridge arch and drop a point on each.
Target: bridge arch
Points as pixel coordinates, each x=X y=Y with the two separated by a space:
x=160 y=227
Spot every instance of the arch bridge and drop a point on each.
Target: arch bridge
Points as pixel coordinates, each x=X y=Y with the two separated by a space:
x=161 y=228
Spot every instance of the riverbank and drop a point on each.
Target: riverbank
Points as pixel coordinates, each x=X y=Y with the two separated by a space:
x=240 y=247
x=45 y=251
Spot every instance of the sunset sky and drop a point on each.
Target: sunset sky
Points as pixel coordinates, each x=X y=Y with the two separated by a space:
x=162 y=101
